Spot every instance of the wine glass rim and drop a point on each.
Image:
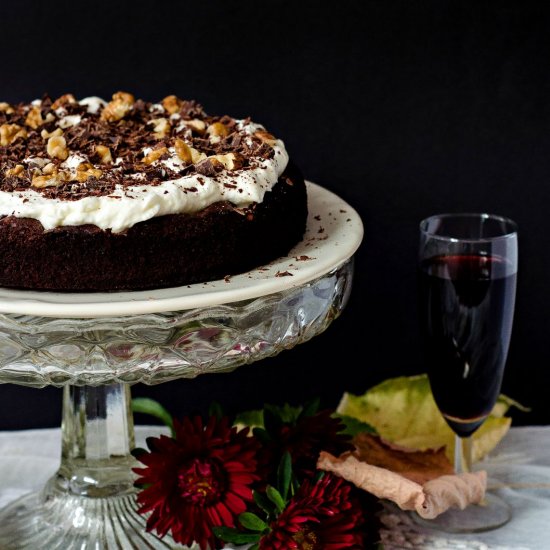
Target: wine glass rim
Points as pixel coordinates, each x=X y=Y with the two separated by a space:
x=510 y=233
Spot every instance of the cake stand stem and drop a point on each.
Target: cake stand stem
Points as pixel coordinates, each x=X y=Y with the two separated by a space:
x=97 y=437
x=90 y=502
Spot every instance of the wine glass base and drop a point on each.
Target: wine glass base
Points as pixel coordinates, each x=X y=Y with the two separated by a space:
x=491 y=514
x=62 y=522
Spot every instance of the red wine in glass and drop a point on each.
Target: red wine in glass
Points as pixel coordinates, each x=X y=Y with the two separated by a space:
x=468 y=266
x=468 y=302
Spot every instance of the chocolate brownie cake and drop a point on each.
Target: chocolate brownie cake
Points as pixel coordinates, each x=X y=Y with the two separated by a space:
x=130 y=195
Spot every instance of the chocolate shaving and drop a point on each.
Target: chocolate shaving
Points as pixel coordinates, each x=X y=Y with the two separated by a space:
x=208 y=168
x=126 y=139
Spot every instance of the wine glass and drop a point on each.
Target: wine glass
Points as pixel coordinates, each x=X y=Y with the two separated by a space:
x=468 y=267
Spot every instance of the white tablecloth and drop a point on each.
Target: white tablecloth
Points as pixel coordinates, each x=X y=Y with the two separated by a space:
x=29 y=458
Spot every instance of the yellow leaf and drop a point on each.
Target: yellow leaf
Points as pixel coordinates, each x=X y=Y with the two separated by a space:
x=402 y=410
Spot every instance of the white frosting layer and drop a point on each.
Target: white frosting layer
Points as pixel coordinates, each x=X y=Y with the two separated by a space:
x=130 y=205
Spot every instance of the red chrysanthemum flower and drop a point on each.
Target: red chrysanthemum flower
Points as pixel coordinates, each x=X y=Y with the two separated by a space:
x=305 y=439
x=321 y=516
x=198 y=480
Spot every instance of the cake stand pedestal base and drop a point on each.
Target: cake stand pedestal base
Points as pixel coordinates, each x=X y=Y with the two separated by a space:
x=90 y=502
x=66 y=522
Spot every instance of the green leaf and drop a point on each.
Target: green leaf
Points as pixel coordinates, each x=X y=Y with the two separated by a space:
x=253 y=419
x=354 y=426
x=274 y=496
x=255 y=547
x=504 y=403
x=144 y=405
x=252 y=522
x=228 y=534
x=287 y=413
x=319 y=475
x=216 y=410
x=261 y=435
x=311 y=408
x=284 y=475
x=272 y=420
x=264 y=504
x=142 y=486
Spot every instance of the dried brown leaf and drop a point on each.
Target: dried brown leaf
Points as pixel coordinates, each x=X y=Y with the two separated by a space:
x=429 y=500
x=418 y=466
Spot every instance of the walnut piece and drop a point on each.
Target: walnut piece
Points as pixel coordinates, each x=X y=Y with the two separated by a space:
x=118 y=108
x=84 y=171
x=171 y=104
x=216 y=163
x=231 y=161
x=183 y=151
x=217 y=131
x=104 y=154
x=154 y=155
x=161 y=127
x=50 y=168
x=51 y=180
x=47 y=135
x=63 y=100
x=186 y=153
x=6 y=108
x=266 y=137
x=10 y=133
x=57 y=148
x=196 y=156
x=197 y=125
x=34 y=118
x=17 y=170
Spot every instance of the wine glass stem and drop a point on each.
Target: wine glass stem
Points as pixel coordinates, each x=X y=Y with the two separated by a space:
x=463 y=454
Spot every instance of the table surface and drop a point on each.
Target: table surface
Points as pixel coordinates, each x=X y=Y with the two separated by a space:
x=521 y=462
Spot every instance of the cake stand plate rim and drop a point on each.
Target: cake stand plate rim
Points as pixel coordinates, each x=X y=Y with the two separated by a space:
x=334 y=233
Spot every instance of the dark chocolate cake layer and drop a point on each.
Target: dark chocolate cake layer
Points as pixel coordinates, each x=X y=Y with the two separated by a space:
x=166 y=251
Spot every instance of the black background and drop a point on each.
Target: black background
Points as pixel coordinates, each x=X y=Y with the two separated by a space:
x=404 y=109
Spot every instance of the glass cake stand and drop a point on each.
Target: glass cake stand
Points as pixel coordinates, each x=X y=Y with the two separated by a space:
x=95 y=345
